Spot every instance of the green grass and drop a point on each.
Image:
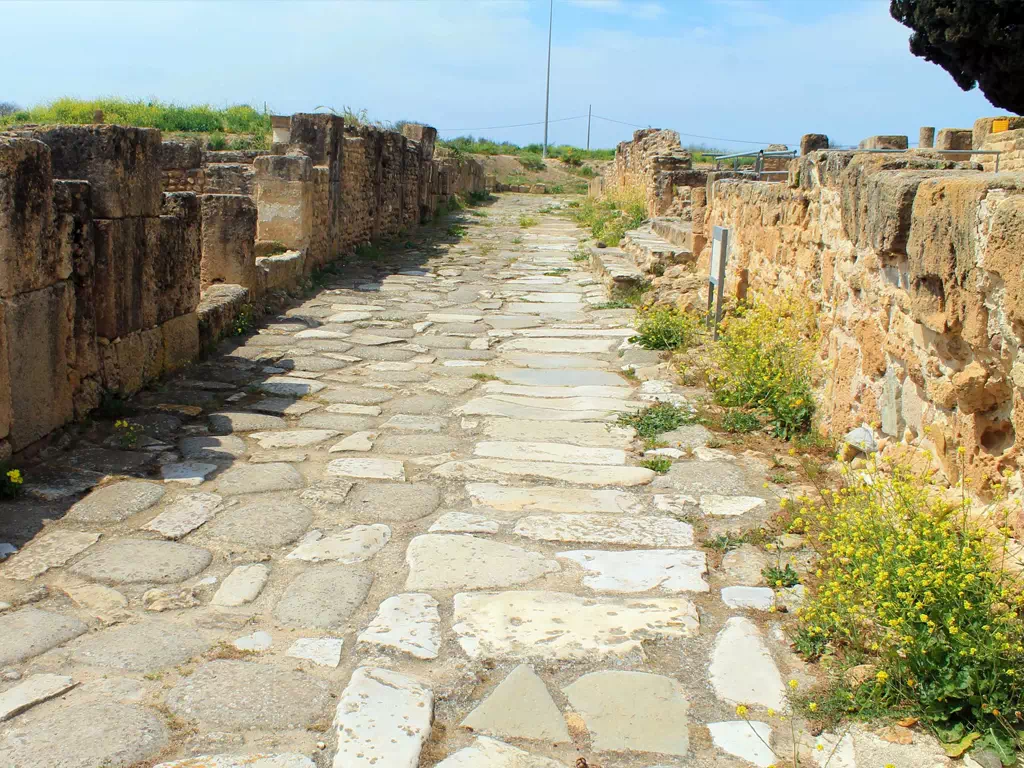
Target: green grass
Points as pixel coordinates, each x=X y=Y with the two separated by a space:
x=527 y=221
x=736 y=420
x=479 y=145
x=630 y=300
x=659 y=464
x=657 y=418
x=669 y=329
x=781 y=577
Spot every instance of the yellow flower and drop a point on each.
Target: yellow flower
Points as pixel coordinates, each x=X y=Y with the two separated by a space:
x=813 y=706
x=793 y=684
x=771 y=712
x=741 y=711
x=882 y=676
x=820 y=747
x=15 y=477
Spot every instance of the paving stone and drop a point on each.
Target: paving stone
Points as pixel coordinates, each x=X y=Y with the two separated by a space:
x=746 y=739
x=257 y=642
x=668 y=571
x=520 y=707
x=604 y=529
x=189 y=473
x=184 y=515
x=103 y=602
x=142 y=561
x=383 y=353
x=29 y=631
x=699 y=478
x=528 y=624
x=296 y=438
x=632 y=712
x=557 y=392
x=594 y=377
x=756 y=598
x=580 y=474
x=464 y=522
x=355 y=395
x=306 y=364
x=276 y=457
x=444 y=562
x=730 y=506
x=744 y=566
x=409 y=623
x=576 y=433
x=742 y=670
x=255 y=760
x=205 y=448
x=116 y=502
x=322 y=651
x=33 y=690
x=557 y=452
x=383 y=719
x=262 y=522
x=245 y=478
x=413 y=423
x=349 y=316
x=48 y=550
x=338 y=422
x=324 y=597
x=541 y=410
x=373 y=469
x=547 y=499
x=570 y=346
x=491 y=753
x=325 y=495
x=242 y=421
x=149 y=645
x=358 y=441
x=86 y=734
x=242 y=585
x=390 y=502
x=242 y=695
x=283 y=406
x=451 y=317
x=450 y=387
x=353 y=545
x=289 y=386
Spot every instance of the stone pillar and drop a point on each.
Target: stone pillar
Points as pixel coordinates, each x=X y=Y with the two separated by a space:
x=321 y=137
x=284 y=199
x=955 y=138
x=926 y=138
x=811 y=142
x=228 y=241
x=281 y=125
x=176 y=264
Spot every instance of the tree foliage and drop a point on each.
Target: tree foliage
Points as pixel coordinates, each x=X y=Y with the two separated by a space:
x=8 y=108
x=979 y=42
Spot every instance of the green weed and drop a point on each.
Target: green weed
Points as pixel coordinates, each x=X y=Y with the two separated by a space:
x=736 y=420
x=659 y=464
x=656 y=419
x=527 y=221
x=668 y=328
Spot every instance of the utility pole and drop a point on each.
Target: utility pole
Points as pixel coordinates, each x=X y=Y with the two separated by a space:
x=590 y=109
x=547 y=88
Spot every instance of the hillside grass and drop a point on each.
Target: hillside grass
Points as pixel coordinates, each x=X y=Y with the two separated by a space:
x=478 y=145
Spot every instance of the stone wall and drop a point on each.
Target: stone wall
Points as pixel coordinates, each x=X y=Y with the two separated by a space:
x=914 y=265
x=655 y=162
x=121 y=256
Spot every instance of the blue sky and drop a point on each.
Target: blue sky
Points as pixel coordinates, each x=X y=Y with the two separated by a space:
x=740 y=71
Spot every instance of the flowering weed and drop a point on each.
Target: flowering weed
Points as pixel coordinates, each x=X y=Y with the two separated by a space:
x=667 y=328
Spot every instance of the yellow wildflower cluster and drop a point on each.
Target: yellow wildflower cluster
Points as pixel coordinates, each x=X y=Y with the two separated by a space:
x=910 y=579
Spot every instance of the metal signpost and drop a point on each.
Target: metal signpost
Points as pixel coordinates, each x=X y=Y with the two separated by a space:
x=716 y=278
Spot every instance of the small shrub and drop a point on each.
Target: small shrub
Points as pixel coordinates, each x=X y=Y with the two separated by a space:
x=557 y=272
x=724 y=542
x=572 y=158
x=11 y=481
x=457 y=230
x=127 y=433
x=531 y=162
x=216 y=142
x=668 y=328
x=634 y=298
x=736 y=420
x=657 y=418
x=610 y=218
x=484 y=377
x=244 y=320
x=781 y=577
x=659 y=464
x=763 y=360
x=527 y=221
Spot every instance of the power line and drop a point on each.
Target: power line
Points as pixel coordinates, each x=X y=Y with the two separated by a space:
x=690 y=135
x=518 y=125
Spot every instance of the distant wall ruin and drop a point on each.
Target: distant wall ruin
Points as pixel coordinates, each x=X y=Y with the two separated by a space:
x=122 y=255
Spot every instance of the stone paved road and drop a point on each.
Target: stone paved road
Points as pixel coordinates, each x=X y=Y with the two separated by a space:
x=398 y=526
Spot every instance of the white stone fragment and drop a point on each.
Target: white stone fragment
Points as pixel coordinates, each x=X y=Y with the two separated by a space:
x=257 y=641
x=520 y=707
x=742 y=670
x=757 y=598
x=729 y=506
x=409 y=623
x=451 y=317
x=323 y=651
x=256 y=760
x=357 y=441
x=383 y=719
x=545 y=498
x=666 y=570
x=353 y=545
x=185 y=514
x=441 y=561
x=411 y=423
x=746 y=739
x=242 y=585
x=186 y=473
x=580 y=474
x=291 y=386
x=604 y=529
x=50 y=550
x=534 y=451
x=491 y=753
x=33 y=690
x=464 y=522
x=296 y=438
x=354 y=410
x=370 y=469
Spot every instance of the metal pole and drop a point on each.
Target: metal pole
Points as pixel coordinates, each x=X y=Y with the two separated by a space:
x=590 y=109
x=547 y=87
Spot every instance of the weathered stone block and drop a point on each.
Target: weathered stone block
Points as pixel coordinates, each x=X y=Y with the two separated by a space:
x=29 y=259
x=132 y=360
x=321 y=137
x=926 y=138
x=228 y=240
x=955 y=138
x=5 y=376
x=39 y=345
x=121 y=163
x=424 y=135
x=229 y=179
x=122 y=248
x=172 y=273
x=884 y=142
x=180 y=155
x=218 y=308
x=180 y=341
x=73 y=234
x=284 y=199
x=810 y=142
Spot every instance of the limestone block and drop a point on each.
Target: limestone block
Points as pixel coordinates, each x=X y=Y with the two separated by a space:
x=122 y=248
x=172 y=271
x=217 y=309
x=229 y=179
x=926 y=137
x=121 y=163
x=884 y=142
x=284 y=197
x=810 y=142
x=425 y=135
x=5 y=378
x=39 y=329
x=955 y=138
x=180 y=341
x=321 y=137
x=132 y=360
x=228 y=240
x=180 y=155
x=73 y=236
x=29 y=259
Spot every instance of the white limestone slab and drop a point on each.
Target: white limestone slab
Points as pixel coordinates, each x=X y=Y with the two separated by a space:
x=528 y=624
x=742 y=670
x=295 y=438
x=409 y=623
x=291 y=386
x=574 y=333
x=464 y=522
x=646 y=531
x=520 y=707
x=491 y=753
x=373 y=339
x=413 y=423
x=185 y=514
x=563 y=346
x=353 y=545
x=465 y=364
x=579 y=474
x=757 y=598
x=357 y=441
x=256 y=642
x=354 y=410
x=442 y=562
x=562 y=364
x=33 y=690
x=186 y=473
x=575 y=433
x=729 y=506
x=614 y=393
x=370 y=469
x=349 y=316
x=452 y=317
x=256 y=760
x=551 y=410
x=551 y=298
x=322 y=651
x=610 y=404
x=666 y=570
x=242 y=585
x=559 y=452
x=548 y=499
x=50 y=550
x=746 y=739
x=319 y=333
x=382 y=719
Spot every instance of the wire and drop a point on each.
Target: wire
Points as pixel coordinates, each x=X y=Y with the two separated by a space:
x=518 y=125
x=691 y=135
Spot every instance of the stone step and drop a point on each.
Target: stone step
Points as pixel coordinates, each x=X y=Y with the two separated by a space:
x=616 y=270
x=651 y=253
x=674 y=230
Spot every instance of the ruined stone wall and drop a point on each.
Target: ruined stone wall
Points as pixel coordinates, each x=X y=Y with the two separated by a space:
x=914 y=266
x=655 y=162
